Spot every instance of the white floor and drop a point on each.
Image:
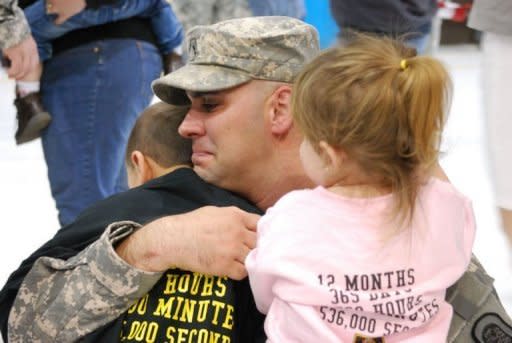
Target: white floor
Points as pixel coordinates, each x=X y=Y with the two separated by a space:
x=28 y=214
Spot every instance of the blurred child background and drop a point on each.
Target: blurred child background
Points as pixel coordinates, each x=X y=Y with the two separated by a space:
x=46 y=26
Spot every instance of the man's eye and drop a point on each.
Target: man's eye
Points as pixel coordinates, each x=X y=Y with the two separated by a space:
x=209 y=107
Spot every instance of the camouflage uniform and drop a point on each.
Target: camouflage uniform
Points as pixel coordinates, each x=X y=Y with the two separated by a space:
x=96 y=284
x=207 y=12
x=63 y=300
x=478 y=315
x=13 y=25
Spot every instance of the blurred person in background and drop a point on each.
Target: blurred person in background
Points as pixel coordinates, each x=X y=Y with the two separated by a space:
x=412 y=18
x=19 y=56
x=95 y=85
x=288 y=8
x=45 y=26
x=18 y=48
x=494 y=19
x=207 y=12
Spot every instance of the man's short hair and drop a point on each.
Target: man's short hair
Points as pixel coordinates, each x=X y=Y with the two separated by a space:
x=155 y=134
x=236 y=51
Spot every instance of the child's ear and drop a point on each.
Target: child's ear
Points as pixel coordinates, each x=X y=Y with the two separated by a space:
x=333 y=157
x=143 y=170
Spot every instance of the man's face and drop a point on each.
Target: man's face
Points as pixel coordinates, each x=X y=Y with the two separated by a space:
x=229 y=137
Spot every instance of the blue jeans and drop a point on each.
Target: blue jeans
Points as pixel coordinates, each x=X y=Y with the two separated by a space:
x=94 y=93
x=165 y=25
x=421 y=38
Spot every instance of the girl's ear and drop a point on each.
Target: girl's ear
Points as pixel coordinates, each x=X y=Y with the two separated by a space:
x=333 y=157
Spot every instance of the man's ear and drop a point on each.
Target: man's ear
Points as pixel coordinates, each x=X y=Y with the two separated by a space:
x=281 y=120
x=143 y=169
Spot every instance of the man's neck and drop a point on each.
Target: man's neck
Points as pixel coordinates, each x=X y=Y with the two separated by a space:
x=279 y=188
x=283 y=173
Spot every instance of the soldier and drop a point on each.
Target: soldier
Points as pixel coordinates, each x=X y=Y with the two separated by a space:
x=238 y=82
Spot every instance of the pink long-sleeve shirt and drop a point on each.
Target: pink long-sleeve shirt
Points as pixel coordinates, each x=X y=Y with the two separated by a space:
x=325 y=269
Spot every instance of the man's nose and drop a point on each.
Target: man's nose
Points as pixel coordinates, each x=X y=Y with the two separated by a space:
x=191 y=126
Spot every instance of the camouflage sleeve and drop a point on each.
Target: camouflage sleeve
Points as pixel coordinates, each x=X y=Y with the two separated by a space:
x=478 y=314
x=13 y=24
x=207 y=12
x=229 y=9
x=60 y=301
x=192 y=13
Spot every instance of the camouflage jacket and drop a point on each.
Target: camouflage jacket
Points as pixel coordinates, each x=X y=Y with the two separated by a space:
x=61 y=301
x=13 y=24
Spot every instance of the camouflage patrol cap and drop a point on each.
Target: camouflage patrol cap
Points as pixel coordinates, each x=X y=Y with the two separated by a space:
x=233 y=52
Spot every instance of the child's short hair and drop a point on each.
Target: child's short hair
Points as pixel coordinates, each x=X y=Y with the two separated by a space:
x=385 y=106
x=155 y=134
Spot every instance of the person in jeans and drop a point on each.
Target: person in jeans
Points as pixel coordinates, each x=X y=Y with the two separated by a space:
x=95 y=85
x=46 y=27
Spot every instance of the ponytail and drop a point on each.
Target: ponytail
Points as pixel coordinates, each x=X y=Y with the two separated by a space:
x=425 y=89
x=385 y=106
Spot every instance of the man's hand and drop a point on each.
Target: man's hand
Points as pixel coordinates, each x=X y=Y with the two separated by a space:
x=210 y=240
x=22 y=57
x=64 y=9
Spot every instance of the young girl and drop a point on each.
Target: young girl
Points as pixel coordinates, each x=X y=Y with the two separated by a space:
x=368 y=254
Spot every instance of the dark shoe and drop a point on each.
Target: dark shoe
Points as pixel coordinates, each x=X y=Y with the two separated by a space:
x=32 y=118
x=172 y=61
x=6 y=63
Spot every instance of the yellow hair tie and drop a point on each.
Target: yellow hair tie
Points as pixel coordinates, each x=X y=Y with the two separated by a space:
x=403 y=64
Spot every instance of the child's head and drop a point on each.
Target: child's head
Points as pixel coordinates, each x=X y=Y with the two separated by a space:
x=375 y=107
x=154 y=145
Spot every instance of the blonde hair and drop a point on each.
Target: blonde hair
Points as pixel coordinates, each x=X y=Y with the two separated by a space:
x=385 y=106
